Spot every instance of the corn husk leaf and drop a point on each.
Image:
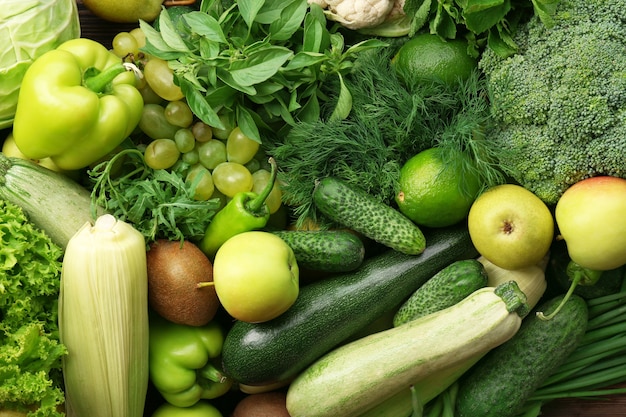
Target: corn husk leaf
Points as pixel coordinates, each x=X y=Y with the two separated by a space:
x=103 y=320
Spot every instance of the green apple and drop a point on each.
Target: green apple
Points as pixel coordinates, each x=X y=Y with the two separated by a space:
x=125 y=11
x=256 y=276
x=510 y=226
x=591 y=218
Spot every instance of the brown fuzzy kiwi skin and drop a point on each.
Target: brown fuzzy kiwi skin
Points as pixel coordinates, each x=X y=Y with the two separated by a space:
x=264 y=404
x=174 y=272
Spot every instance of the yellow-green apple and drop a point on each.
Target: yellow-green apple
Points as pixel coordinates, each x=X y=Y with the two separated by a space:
x=591 y=218
x=125 y=11
x=510 y=226
x=256 y=276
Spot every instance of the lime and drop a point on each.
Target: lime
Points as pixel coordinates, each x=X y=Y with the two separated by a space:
x=433 y=193
x=427 y=57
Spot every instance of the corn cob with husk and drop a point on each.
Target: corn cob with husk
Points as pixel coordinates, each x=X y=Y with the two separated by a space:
x=103 y=320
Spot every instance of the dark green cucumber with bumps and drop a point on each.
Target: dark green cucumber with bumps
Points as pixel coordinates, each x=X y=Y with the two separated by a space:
x=328 y=312
x=502 y=381
x=325 y=250
x=446 y=288
x=356 y=209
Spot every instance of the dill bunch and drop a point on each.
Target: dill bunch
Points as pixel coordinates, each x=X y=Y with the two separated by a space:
x=389 y=123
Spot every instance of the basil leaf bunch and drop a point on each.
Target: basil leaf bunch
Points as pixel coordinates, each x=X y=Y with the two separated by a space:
x=259 y=63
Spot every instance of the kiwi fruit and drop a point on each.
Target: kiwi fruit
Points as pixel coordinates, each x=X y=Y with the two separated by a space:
x=180 y=280
x=265 y=404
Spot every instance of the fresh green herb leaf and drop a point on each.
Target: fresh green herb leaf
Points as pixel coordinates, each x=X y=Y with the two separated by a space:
x=268 y=56
x=206 y=26
x=158 y=203
x=290 y=20
x=259 y=66
x=249 y=9
x=169 y=33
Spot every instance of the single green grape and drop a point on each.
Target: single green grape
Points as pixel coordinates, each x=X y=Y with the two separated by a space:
x=161 y=154
x=178 y=113
x=205 y=187
x=191 y=157
x=202 y=132
x=232 y=178
x=227 y=121
x=153 y=122
x=240 y=148
x=148 y=94
x=184 y=140
x=139 y=36
x=260 y=179
x=253 y=165
x=124 y=44
x=160 y=77
x=211 y=153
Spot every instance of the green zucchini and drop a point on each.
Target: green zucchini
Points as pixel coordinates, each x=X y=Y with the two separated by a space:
x=325 y=250
x=446 y=288
x=328 y=312
x=360 y=211
x=359 y=375
x=53 y=202
x=501 y=382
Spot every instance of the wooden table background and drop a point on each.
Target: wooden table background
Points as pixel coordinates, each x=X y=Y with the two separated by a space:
x=614 y=406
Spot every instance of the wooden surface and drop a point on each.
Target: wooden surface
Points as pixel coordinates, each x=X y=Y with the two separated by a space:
x=614 y=406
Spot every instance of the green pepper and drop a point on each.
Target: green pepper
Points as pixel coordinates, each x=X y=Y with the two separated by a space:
x=184 y=362
x=245 y=212
x=76 y=104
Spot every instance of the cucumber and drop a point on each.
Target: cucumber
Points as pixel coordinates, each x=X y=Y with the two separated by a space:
x=329 y=311
x=357 y=376
x=360 y=211
x=446 y=288
x=501 y=382
x=53 y=202
x=325 y=250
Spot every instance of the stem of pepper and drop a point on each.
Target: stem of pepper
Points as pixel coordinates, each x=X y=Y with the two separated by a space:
x=100 y=80
x=255 y=204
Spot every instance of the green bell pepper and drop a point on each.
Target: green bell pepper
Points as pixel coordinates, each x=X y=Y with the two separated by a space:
x=246 y=211
x=184 y=361
x=76 y=104
x=199 y=409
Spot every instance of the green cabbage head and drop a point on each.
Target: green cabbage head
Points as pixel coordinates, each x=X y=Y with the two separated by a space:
x=28 y=28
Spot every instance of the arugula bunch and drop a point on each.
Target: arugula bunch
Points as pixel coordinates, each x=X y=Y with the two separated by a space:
x=259 y=62
x=159 y=203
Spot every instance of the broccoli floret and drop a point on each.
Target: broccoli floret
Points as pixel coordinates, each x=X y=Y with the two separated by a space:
x=559 y=104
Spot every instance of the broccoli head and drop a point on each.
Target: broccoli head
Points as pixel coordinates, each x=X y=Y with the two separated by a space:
x=559 y=103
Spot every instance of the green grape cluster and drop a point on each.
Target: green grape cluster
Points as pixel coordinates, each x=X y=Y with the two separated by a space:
x=220 y=162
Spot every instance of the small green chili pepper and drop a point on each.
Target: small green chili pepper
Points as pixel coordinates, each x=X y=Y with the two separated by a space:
x=245 y=212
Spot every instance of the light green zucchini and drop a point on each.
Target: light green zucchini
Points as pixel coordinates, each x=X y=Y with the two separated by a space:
x=53 y=202
x=357 y=376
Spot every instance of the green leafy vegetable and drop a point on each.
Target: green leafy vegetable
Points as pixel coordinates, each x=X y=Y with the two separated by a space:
x=558 y=104
x=159 y=203
x=489 y=22
x=29 y=29
x=261 y=62
x=389 y=123
x=30 y=352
